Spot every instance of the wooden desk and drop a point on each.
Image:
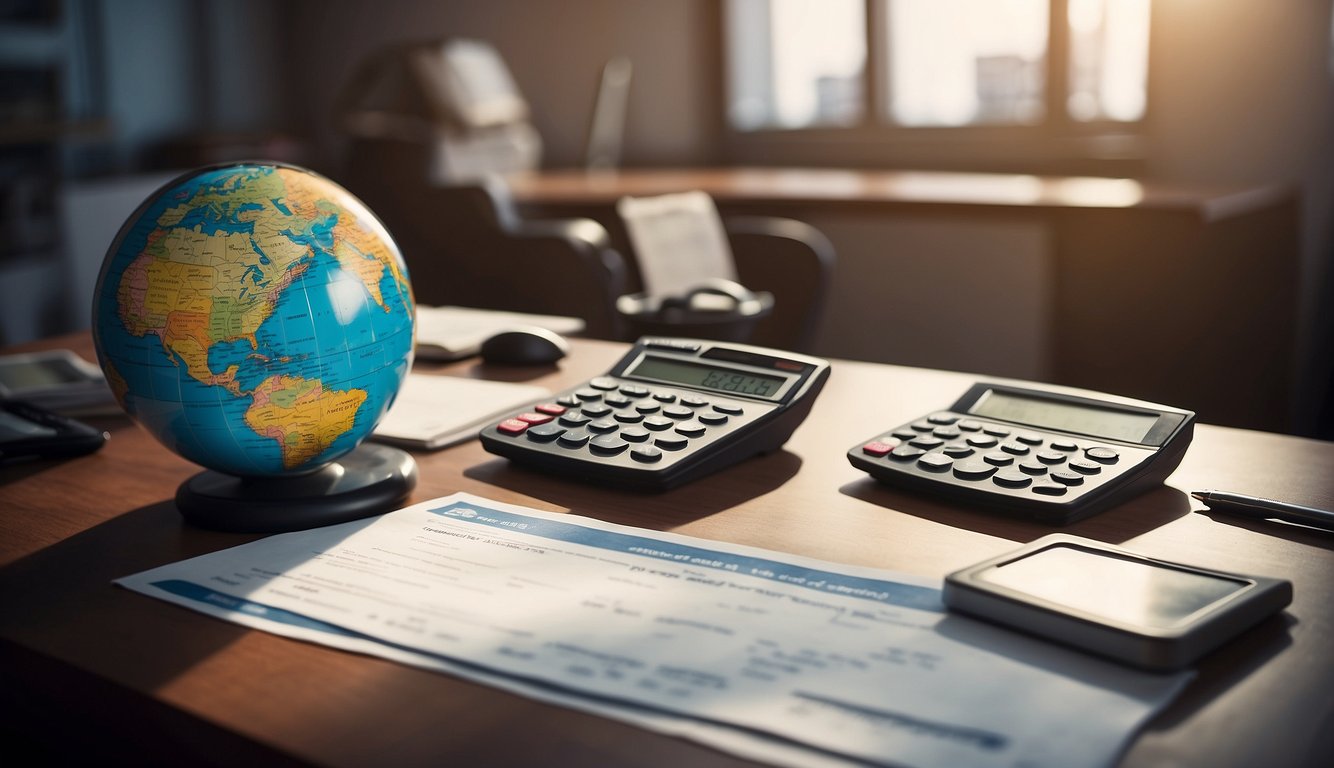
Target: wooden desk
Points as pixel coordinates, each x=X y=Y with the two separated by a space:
x=92 y=669
x=1156 y=291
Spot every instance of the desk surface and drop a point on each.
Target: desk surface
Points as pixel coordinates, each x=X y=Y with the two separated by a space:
x=90 y=664
x=816 y=186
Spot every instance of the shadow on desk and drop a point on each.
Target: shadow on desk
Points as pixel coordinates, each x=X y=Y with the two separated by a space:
x=1154 y=509
x=62 y=598
x=702 y=498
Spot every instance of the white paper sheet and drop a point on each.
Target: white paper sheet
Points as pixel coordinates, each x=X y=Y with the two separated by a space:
x=438 y=411
x=696 y=636
x=679 y=242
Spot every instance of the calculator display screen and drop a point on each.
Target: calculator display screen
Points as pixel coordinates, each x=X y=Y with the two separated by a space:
x=1122 y=589
x=709 y=377
x=1108 y=423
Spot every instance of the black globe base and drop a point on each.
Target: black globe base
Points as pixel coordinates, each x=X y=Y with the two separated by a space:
x=370 y=480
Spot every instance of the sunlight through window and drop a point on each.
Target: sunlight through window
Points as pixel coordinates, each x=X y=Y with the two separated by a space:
x=797 y=63
x=940 y=63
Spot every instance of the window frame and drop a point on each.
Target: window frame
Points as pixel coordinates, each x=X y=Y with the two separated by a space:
x=1057 y=144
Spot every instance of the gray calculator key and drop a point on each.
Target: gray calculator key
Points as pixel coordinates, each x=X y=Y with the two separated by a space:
x=728 y=408
x=576 y=439
x=1066 y=477
x=982 y=441
x=957 y=451
x=608 y=444
x=926 y=441
x=973 y=470
x=690 y=428
x=1105 y=455
x=998 y=459
x=629 y=417
x=713 y=419
x=1033 y=468
x=906 y=451
x=677 y=412
x=646 y=453
x=603 y=425
x=658 y=423
x=1050 y=457
x=574 y=419
x=935 y=462
x=1018 y=449
x=1050 y=489
x=1085 y=467
x=603 y=382
x=595 y=409
x=635 y=434
x=670 y=442
x=545 y=432
x=1011 y=478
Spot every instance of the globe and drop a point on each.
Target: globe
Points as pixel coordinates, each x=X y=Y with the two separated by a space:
x=256 y=318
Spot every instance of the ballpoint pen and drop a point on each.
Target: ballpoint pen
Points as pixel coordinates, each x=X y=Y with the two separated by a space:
x=1254 y=507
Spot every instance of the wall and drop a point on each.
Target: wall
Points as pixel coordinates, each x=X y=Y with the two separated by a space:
x=555 y=50
x=1243 y=92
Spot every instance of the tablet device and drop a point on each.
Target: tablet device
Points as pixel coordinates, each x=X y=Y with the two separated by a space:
x=1143 y=611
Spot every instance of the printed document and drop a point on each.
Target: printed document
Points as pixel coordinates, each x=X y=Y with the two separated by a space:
x=773 y=656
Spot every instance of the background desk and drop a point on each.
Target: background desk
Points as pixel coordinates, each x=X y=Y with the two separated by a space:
x=114 y=674
x=1149 y=290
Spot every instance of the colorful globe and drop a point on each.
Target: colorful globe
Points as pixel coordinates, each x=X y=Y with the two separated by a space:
x=257 y=319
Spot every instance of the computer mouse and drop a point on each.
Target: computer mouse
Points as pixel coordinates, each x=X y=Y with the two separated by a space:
x=527 y=345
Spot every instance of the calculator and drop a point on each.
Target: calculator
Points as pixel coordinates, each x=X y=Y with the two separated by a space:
x=1052 y=454
x=670 y=411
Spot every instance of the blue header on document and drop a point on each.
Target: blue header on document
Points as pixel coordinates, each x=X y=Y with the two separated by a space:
x=888 y=592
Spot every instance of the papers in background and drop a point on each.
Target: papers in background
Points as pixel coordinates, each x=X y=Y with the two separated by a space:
x=437 y=411
x=776 y=657
x=679 y=242
x=451 y=333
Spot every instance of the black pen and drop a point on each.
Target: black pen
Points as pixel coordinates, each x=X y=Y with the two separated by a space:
x=1251 y=506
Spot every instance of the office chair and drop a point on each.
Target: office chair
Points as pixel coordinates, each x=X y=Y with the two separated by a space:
x=466 y=245
x=426 y=122
x=792 y=260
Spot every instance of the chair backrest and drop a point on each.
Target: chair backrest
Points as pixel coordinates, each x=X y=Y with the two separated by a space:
x=795 y=262
x=466 y=245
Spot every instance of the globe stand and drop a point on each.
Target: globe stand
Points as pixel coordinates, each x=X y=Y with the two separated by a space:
x=370 y=480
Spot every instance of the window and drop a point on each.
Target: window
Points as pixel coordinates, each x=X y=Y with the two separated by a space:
x=829 y=64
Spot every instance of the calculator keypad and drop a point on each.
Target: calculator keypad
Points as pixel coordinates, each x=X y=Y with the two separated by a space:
x=996 y=457
x=611 y=420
